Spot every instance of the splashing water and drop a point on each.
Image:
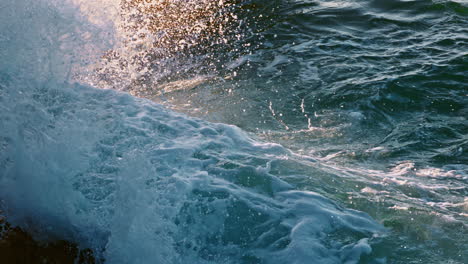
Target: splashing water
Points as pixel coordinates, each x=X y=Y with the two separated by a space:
x=368 y=99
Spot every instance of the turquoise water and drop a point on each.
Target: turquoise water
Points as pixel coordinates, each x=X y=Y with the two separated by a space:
x=298 y=132
x=377 y=90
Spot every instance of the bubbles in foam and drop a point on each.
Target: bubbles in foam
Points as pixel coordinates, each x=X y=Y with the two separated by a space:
x=148 y=184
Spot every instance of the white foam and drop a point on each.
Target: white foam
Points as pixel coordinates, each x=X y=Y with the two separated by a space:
x=142 y=184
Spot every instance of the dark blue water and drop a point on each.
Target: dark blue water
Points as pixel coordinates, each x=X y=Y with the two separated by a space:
x=368 y=99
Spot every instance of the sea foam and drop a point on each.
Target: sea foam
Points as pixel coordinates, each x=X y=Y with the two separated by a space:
x=138 y=183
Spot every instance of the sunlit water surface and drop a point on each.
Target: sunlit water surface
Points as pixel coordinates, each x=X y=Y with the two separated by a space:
x=369 y=100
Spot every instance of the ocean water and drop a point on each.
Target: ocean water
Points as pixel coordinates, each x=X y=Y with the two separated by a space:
x=203 y=131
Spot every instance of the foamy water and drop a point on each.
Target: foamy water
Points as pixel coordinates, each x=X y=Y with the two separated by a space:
x=117 y=139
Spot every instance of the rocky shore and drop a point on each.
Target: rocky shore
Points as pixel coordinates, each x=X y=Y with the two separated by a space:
x=19 y=247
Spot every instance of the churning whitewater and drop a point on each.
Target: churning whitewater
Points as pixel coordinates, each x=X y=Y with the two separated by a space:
x=159 y=142
x=141 y=184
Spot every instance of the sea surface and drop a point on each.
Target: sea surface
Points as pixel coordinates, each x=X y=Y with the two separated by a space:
x=204 y=131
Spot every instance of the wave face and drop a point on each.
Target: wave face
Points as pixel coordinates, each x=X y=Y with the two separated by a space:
x=145 y=185
x=367 y=99
x=141 y=184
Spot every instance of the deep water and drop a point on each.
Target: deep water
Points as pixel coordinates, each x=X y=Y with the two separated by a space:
x=281 y=131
